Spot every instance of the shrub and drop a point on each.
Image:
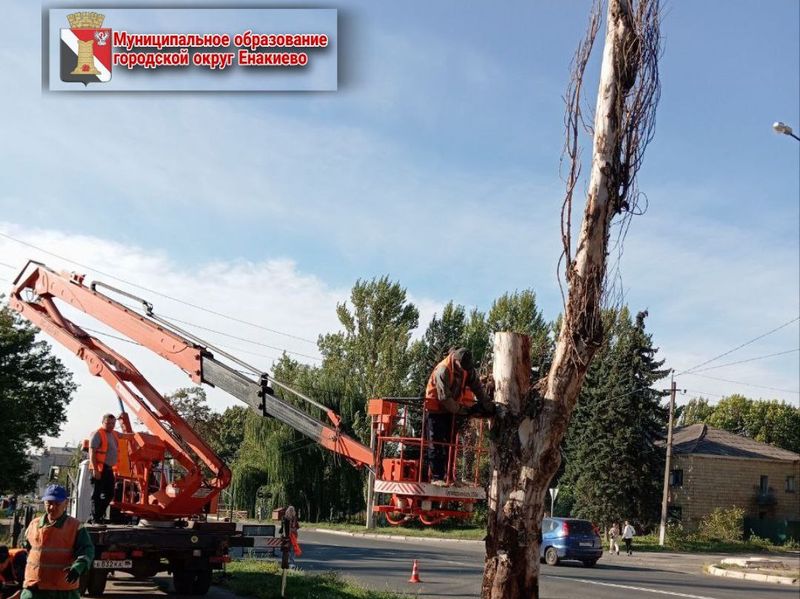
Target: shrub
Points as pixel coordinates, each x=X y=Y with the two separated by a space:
x=791 y=544
x=759 y=542
x=677 y=537
x=723 y=524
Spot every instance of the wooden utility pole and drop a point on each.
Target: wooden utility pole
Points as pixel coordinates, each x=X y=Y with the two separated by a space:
x=662 y=529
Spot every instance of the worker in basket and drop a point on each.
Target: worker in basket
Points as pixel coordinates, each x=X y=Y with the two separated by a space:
x=452 y=391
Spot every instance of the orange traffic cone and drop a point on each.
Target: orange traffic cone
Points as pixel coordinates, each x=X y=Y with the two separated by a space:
x=414 y=573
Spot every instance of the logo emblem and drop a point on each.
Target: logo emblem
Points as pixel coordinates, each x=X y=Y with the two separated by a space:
x=86 y=49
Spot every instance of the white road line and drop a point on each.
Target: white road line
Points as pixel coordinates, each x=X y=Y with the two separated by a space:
x=625 y=586
x=464 y=564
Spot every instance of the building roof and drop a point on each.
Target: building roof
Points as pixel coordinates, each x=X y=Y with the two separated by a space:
x=61 y=450
x=702 y=439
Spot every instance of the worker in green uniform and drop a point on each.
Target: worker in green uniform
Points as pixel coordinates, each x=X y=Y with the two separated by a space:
x=59 y=551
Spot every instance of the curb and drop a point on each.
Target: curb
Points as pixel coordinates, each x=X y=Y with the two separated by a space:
x=400 y=538
x=714 y=571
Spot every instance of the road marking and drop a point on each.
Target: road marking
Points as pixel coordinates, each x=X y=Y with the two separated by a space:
x=625 y=586
x=466 y=565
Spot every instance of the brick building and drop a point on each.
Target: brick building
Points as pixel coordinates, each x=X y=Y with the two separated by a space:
x=713 y=468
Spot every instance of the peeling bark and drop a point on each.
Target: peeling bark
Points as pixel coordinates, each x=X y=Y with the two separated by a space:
x=527 y=432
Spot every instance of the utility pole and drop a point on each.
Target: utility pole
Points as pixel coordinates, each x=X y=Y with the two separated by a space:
x=371 y=481
x=662 y=530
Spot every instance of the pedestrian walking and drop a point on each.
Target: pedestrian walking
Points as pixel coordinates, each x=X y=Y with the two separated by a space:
x=613 y=539
x=627 y=535
x=290 y=524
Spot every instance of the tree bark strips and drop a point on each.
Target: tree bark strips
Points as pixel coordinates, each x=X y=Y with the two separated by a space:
x=528 y=430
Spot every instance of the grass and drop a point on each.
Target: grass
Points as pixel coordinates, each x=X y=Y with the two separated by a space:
x=442 y=531
x=697 y=545
x=263 y=580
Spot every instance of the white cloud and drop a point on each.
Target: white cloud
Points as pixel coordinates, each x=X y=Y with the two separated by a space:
x=271 y=293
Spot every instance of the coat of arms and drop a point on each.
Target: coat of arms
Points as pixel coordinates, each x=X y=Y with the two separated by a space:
x=86 y=49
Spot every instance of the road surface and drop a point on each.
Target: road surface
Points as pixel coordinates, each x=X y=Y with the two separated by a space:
x=454 y=570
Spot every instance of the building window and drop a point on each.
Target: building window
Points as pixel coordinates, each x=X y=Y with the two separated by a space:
x=674 y=514
x=791 y=484
x=763 y=485
x=676 y=478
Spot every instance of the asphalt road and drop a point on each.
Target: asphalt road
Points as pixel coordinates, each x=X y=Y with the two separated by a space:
x=455 y=569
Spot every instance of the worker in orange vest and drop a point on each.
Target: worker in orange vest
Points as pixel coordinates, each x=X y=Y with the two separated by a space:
x=103 y=452
x=452 y=390
x=59 y=551
x=12 y=568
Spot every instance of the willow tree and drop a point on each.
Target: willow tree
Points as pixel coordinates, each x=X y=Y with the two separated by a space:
x=533 y=417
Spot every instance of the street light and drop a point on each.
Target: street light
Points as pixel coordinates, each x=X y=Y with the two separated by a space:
x=780 y=127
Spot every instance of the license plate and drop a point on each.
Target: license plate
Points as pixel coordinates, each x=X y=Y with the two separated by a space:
x=587 y=544
x=113 y=564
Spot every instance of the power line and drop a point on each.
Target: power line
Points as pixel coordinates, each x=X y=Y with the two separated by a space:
x=786 y=324
x=714 y=378
x=136 y=309
x=701 y=393
x=131 y=341
x=780 y=353
x=153 y=291
x=8 y=265
x=173 y=319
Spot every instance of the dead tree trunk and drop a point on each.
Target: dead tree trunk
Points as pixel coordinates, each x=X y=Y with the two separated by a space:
x=527 y=432
x=512 y=507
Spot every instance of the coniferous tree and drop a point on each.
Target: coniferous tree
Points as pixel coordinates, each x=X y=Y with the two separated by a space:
x=613 y=459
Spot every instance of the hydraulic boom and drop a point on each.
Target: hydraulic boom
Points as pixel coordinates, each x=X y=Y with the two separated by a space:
x=36 y=290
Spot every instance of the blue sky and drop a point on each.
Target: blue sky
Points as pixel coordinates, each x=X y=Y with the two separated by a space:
x=436 y=162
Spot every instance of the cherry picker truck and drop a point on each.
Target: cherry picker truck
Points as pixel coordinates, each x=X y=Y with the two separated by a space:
x=162 y=511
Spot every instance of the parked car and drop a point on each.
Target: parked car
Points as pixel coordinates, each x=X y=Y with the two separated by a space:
x=570 y=539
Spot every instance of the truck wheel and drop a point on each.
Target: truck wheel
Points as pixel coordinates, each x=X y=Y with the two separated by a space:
x=202 y=582
x=96 y=583
x=183 y=581
x=551 y=556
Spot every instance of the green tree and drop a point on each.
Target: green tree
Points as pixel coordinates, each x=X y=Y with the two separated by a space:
x=731 y=414
x=191 y=404
x=518 y=312
x=773 y=422
x=229 y=427
x=291 y=467
x=613 y=462
x=35 y=389
x=696 y=411
x=371 y=355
